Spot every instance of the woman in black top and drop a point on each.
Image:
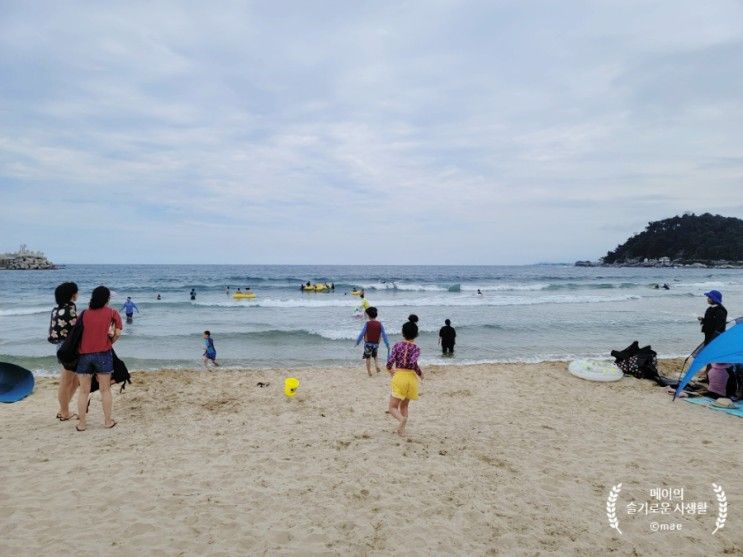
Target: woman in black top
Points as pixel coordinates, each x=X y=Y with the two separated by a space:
x=62 y=320
x=713 y=322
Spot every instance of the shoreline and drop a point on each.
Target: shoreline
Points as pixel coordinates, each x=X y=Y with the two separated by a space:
x=670 y=363
x=513 y=459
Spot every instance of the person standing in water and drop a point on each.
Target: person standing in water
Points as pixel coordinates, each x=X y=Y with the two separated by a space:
x=404 y=384
x=128 y=308
x=447 y=336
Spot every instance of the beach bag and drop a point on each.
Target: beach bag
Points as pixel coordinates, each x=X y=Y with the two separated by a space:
x=120 y=375
x=641 y=363
x=67 y=353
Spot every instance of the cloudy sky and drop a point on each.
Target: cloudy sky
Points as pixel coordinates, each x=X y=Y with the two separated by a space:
x=448 y=132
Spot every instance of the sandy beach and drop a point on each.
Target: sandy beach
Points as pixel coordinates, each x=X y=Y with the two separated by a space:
x=510 y=459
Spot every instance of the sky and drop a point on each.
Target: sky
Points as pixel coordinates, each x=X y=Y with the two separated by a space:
x=364 y=132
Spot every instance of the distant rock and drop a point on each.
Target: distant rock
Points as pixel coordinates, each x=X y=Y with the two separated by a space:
x=25 y=260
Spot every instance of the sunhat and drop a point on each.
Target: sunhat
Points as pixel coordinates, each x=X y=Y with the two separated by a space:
x=715 y=296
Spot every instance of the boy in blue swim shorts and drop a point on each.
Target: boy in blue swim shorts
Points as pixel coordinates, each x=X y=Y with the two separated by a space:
x=371 y=334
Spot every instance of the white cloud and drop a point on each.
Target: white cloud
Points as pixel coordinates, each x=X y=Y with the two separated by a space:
x=491 y=132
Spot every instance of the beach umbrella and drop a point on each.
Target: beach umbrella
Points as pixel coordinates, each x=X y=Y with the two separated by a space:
x=16 y=382
x=726 y=348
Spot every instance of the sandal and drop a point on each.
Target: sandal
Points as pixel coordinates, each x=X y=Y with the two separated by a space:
x=68 y=418
x=111 y=426
x=77 y=427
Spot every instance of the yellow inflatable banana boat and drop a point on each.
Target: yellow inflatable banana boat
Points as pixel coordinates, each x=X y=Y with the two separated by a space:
x=243 y=295
x=316 y=288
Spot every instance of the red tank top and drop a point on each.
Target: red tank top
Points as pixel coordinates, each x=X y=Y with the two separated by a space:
x=373 y=331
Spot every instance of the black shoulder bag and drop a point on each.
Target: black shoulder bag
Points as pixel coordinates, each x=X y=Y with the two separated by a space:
x=67 y=353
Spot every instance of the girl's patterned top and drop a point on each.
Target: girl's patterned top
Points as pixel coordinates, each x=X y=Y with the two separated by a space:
x=62 y=320
x=404 y=355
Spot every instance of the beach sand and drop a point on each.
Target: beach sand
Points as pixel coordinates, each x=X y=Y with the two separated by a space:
x=500 y=460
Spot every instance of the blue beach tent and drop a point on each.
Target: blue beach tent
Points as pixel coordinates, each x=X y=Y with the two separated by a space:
x=16 y=382
x=727 y=348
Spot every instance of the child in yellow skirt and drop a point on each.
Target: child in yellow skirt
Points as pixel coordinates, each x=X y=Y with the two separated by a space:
x=404 y=357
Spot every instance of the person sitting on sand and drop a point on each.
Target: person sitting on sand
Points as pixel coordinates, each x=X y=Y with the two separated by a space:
x=718 y=380
x=371 y=333
x=404 y=384
x=63 y=318
x=101 y=329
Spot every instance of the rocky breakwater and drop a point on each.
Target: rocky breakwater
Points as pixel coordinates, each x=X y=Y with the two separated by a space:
x=25 y=260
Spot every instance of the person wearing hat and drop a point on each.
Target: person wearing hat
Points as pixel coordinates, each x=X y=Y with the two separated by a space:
x=713 y=322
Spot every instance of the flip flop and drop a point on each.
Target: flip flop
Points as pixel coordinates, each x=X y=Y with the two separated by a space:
x=77 y=427
x=111 y=426
x=67 y=419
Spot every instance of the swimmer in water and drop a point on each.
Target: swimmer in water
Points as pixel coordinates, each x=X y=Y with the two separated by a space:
x=129 y=308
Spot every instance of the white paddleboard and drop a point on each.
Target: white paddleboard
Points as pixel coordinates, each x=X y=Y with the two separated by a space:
x=595 y=370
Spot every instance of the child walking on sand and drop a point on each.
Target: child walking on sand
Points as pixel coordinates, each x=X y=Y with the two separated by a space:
x=404 y=357
x=371 y=332
x=210 y=354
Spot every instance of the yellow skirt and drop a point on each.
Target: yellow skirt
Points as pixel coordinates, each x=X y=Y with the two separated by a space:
x=405 y=384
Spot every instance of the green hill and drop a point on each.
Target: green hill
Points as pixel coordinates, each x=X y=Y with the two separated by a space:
x=685 y=239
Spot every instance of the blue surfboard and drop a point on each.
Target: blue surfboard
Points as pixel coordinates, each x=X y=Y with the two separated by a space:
x=16 y=382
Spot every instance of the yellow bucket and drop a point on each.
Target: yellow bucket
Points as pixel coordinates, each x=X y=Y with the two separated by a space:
x=291 y=384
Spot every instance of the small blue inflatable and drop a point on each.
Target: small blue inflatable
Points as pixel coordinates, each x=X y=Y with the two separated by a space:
x=16 y=382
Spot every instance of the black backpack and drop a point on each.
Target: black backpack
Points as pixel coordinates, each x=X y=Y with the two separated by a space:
x=120 y=375
x=67 y=353
x=639 y=362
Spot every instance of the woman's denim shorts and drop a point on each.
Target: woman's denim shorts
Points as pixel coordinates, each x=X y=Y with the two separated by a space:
x=97 y=362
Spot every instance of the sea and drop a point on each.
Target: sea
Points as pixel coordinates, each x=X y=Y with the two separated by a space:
x=522 y=314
